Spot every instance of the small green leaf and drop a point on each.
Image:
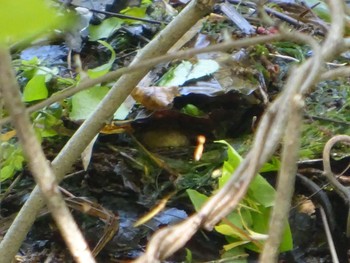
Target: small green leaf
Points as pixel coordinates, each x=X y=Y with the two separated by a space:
x=6 y=172
x=35 y=89
x=188 y=258
x=262 y=191
x=18 y=162
x=103 y=69
x=192 y=110
x=273 y=166
x=85 y=102
x=197 y=198
x=135 y=12
x=105 y=29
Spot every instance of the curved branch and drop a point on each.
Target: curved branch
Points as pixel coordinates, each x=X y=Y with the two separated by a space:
x=122 y=88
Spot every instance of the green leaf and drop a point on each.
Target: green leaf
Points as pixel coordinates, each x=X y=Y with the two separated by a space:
x=135 y=12
x=233 y=161
x=85 y=102
x=235 y=255
x=197 y=198
x=18 y=162
x=105 y=29
x=23 y=19
x=6 y=172
x=192 y=110
x=188 y=258
x=228 y=230
x=103 y=69
x=35 y=89
x=262 y=191
x=321 y=9
x=261 y=225
x=273 y=166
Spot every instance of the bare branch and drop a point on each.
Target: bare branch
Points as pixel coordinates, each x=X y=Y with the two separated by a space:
x=122 y=88
x=286 y=181
x=39 y=165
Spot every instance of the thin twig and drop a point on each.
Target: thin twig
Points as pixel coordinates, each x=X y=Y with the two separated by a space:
x=39 y=165
x=194 y=11
x=111 y=76
x=329 y=236
x=166 y=241
x=151 y=21
x=286 y=181
x=343 y=191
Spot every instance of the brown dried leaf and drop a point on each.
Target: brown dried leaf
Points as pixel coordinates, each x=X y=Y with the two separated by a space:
x=155 y=98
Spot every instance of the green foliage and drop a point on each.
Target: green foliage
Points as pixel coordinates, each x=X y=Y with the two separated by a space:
x=86 y=101
x=329 y=108
x=38 y=76
x=22 y=19
x=192 y=110
x=320 y=9
x=292 y=49
x=137 y=11
x=105 y=68
x=47 y=122
x=251 y=218
x=105 y=29
x=11 y=159
x=188 y=258
x=35 y=89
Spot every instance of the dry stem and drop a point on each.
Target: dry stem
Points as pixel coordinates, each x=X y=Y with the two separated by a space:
x=122 y=88
x=39 y=166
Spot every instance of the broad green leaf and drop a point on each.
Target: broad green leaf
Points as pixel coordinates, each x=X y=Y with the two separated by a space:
x=262 y=191
x=35 y=89
x=253 y=213
x=103 y=69
x=261 y=225
x=85 y=102
x=197 y=198
x=23 y=19
x=259 y=188
x=105 y=29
